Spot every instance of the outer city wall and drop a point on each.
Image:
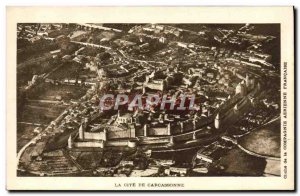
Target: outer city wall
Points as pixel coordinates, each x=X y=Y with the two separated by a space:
x=181 y=131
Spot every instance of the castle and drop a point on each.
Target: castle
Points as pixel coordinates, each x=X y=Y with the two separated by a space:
x=120 y=135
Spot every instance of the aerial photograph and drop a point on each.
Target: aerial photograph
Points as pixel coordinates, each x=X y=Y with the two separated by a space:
x=148 y=100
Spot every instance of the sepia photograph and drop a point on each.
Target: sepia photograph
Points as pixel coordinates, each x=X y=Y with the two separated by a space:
x=116 y=100
x=225 y=77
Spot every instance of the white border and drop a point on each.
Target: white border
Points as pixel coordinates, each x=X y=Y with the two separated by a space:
x=281 y=15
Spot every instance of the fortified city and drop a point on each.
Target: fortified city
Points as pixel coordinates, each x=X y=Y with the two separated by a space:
x=148 y=100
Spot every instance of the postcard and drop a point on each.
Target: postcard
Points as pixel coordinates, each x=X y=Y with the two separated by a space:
x=150 y=98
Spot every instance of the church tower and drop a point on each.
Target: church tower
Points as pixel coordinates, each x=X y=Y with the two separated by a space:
x=104 y=134
x=181 y=127
x=169 y=129
x=81 y=132
x=70 y=143
x=145 y=130
x=217 y=121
